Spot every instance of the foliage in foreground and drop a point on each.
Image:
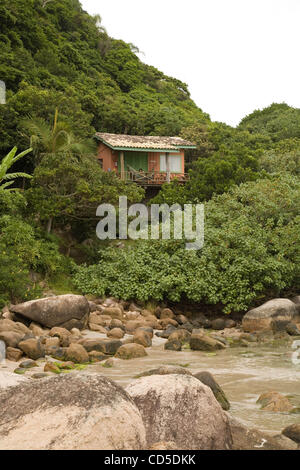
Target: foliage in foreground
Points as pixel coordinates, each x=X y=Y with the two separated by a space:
x=7 y=179
x=24 y=252
x=251 y=253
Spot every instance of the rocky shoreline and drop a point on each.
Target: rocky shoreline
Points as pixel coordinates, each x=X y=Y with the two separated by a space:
x=53 y=339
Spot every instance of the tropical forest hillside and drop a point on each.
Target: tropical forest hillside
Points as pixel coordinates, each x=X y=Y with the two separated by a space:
x=67 y=78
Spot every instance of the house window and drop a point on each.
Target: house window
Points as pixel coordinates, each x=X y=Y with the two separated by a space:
x=174 y=163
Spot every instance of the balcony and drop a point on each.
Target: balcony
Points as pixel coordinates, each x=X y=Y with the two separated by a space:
x=153 y=178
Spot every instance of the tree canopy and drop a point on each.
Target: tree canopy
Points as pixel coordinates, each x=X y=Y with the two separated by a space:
x=66 y=78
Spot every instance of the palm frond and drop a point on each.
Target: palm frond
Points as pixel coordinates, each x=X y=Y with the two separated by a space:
x=5 y=185
x=7 y=162
x=12 y=176
x=21 y=155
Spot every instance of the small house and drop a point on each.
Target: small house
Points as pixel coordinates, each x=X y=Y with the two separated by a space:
x=146 y=160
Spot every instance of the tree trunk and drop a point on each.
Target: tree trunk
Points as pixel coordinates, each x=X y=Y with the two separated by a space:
x=49 y=225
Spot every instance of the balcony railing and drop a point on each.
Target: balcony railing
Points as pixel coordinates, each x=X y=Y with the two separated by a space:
x=153 y=178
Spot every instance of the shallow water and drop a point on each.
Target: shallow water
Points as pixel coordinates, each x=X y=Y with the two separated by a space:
x=243 y=373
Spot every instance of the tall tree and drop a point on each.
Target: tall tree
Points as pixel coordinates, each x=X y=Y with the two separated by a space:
x=56 y=138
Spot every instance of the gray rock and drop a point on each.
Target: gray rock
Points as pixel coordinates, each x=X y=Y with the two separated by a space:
x=173 y=345
x=229 y=323
x=7 y=379
x=69 y=412
x=293 y=433
x=187 y=326
x=279 y=326
x=245 y=438
x=202 y=342
x=39 y=375
x=32 y=348
x=166 y=370
x=68 y=311
x=261 y=318
x=180 y=408
x=11 y=338
x=207 y=379
x=296 y=301
x=218 y=324
x=28 y=364
x=166 y=333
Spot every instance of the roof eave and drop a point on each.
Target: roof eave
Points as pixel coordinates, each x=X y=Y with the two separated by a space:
x=142 y=149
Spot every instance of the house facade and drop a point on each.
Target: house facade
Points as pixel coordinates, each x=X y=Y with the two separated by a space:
x=146 y=160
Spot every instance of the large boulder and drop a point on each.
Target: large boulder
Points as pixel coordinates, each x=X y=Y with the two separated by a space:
x=69 y=311
x=7 y=379
x=72 y=411
x=293 y=433
x=180 y=408
x=270 y=313
x=296 y=301
x=207 y=379
x=245 y=438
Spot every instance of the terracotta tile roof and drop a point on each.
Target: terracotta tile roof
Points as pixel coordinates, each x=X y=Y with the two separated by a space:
x=120 y=141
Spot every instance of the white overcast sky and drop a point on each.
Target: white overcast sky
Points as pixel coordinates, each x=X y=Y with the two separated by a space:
x=235 y=55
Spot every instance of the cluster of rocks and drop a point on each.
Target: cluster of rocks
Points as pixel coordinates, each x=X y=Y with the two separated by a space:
x=166 y=408
x=53 y=327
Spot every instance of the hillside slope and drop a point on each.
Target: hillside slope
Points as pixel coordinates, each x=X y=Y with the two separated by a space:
x=58 y=55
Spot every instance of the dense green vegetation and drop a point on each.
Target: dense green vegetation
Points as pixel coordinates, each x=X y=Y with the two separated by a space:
x=251 y=252
x=66 y=78
x=59 y=56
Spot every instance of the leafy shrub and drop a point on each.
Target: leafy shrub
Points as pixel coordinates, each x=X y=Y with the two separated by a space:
x=251 y=253
x=23 y=250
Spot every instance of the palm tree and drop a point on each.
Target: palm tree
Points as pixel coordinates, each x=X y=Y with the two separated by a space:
x=10 y=159
x=57 y=138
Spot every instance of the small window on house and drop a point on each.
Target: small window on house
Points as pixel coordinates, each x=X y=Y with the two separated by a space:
x=174 y=163
x=163 y=165
x=100 y=161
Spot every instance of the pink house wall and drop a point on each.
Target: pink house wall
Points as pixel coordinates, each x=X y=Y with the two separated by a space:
x=109 y=159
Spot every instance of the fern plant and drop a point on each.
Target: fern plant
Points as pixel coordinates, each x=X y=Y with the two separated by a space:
x=7 y=179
